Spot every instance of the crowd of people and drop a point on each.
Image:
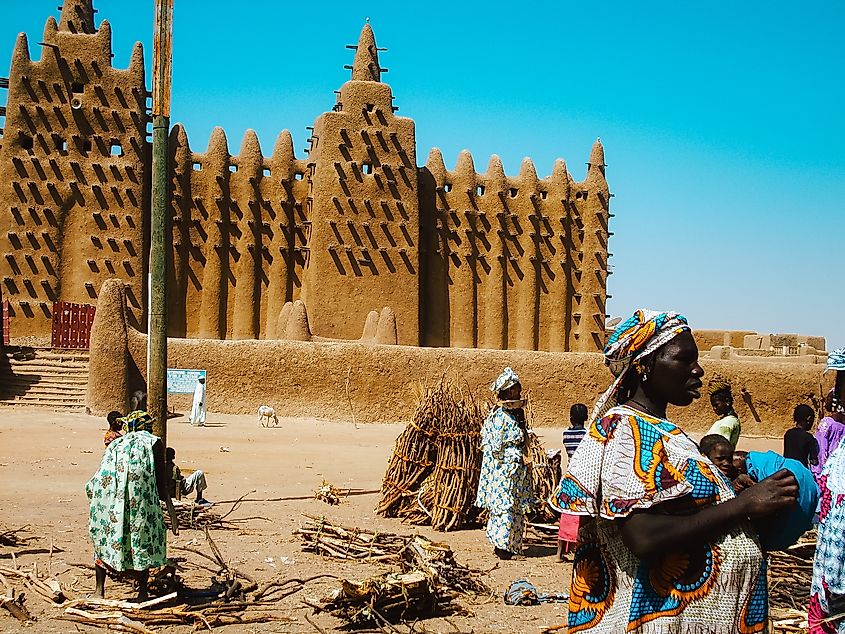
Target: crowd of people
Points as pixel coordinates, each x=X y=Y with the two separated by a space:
x=666 y=534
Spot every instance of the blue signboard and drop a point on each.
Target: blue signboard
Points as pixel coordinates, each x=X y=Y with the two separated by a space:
x=181 y=381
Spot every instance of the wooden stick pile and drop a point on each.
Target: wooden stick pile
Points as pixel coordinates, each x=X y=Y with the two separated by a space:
x=545 y=476
x=790 y=575
x=192 y=516
x=428 y=582
x=14 y=537
x=332 y=540
x=413 y=456
x=432 y=476
x=240 y=599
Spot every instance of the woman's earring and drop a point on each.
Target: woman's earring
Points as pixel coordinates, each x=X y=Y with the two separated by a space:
x=644 y=376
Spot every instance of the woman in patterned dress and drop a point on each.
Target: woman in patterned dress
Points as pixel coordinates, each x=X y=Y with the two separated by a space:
x=505 y=487
x=667 y=546
x=827 y=591
x=125 y=520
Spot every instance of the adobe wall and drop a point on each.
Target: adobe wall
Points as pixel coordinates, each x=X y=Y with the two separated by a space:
x=706 y=339
x=73 y=172
x=461 y=259
x=514 y=263
x=240 y=236
x=310 y=378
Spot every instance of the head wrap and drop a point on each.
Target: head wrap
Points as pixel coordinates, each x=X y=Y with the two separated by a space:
x=638 y=336
x=508 y=378
x=836 y=360
x=718 y=384
x=137 y=421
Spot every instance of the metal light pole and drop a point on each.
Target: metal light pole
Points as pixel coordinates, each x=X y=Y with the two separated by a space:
x=159 y=243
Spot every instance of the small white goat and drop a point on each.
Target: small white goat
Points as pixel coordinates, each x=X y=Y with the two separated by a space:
x=266 y=414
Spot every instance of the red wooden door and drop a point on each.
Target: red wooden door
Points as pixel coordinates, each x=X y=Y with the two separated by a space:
x=72 y=325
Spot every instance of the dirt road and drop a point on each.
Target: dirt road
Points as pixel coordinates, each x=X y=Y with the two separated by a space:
x=46 y=458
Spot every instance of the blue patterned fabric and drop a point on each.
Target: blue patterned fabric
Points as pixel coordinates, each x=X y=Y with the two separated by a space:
x=836 y=360
x=638 y=336
x=505 y=488
x=829 y=561
x=508 y=378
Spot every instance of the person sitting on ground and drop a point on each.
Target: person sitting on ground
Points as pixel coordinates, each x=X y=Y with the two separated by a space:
x=115 y=428
x=180 y=486
x=798 y=443
x=754 y=466
x=567 y=534
x=722 y=402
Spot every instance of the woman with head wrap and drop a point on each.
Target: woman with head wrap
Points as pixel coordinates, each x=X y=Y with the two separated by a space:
x=826 y=613
x=505 y=487
x=831 y=429
x=667 y=546
x=125 y=520
x=722 y=402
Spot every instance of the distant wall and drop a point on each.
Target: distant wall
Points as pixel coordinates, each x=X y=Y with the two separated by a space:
x=310 y=379
x=706 y=339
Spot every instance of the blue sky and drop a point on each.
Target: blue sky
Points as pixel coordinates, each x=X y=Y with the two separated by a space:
x=721 y=121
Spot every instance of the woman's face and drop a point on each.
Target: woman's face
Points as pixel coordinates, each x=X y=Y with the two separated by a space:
x=676 y=376
x=721 y=404
x=512 y=393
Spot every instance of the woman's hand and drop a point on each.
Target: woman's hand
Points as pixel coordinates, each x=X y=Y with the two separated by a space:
x=743 y=481
x=778 y=492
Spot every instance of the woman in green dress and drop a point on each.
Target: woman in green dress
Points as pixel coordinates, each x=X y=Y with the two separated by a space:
x=125 y=519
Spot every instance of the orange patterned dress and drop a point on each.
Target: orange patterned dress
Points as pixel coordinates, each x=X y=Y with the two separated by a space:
x=628 y=461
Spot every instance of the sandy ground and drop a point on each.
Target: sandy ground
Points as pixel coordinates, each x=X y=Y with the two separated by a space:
x=46 y=458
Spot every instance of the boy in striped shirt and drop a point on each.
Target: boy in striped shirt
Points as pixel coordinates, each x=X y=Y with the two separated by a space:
x=567 y=534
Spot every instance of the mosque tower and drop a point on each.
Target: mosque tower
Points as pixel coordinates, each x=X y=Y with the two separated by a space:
x=364 y=208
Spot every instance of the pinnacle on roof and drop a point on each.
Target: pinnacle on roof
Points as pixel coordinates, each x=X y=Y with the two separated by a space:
x=597 y=156
x=77 y=16
x=366 y=66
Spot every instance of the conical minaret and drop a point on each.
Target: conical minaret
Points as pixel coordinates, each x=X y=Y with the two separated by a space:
x=77 y=16
x=366 y=66
x=363 y=246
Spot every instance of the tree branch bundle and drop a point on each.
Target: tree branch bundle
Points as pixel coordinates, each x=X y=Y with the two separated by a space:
x=432 y=476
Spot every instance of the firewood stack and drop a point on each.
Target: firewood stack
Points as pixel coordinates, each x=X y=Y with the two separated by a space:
x=432 y=476
x=790 y=575
x=545 y=477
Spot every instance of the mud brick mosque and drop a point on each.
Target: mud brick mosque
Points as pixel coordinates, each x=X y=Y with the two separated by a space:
x=280 y=247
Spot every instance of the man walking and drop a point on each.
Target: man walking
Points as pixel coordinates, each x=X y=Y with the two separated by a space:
x=198 y=406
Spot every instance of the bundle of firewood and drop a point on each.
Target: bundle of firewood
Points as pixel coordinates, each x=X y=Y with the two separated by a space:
x=332 y=540
x=413 y=456
x=432 y=476
x=545 y=476
x=427 y=583
x=790 y=576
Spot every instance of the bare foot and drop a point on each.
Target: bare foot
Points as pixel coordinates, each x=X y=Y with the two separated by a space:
x=99 y=593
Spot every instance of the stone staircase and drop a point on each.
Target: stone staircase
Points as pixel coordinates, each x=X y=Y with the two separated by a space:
x=43 y=377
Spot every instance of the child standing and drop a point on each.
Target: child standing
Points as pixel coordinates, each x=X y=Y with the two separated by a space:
x=567 y=534
x=115 y=427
